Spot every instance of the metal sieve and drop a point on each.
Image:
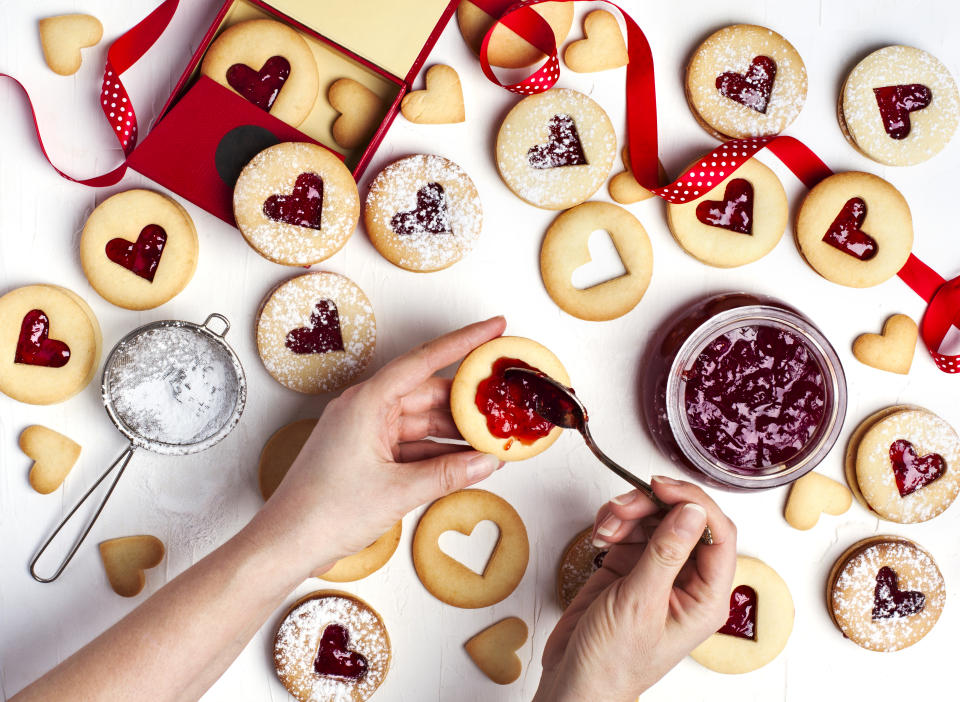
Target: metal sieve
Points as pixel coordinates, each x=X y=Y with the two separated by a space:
x=170 y=387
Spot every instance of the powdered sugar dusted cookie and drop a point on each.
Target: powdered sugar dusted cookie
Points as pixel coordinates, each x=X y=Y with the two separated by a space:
x=580 y=560
x=423 y=213
x=316 y=332
x=745 y=81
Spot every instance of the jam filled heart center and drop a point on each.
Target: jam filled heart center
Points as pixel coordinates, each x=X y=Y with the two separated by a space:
x=141 y=256
x=335 y=660
x=303 y=207
x=751 y=89
x=733 y=212
x=911 y=471
x=896 y=102
x=260 y=87
x=845 y=233
x=889 y=601
x=509 y=404
x=428 y=217
x=35 y=347
x=742 y=621
x=563 y=147
x=321 y=335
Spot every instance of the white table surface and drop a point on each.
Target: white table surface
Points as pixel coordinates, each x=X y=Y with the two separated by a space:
x=194 y=503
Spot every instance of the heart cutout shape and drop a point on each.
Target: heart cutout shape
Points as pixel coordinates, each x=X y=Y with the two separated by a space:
x=625 y=189
x=53 y=454
x=64 y=36
x=334 y=657
x=321 y=335
x=494 y=650
x=141 y=257
x=892 y=350
x=303 y=207
x=472 y=550
x=604 y=262
x=260 y=87
x=35 y=347
x=601 y=49
x=429 y=216
x=742 y=621
x=361 y=112
x=896 y=102
x=440 y=102
x=125 y=560
x=751 y=89
x=911 y=471
x=563 y=147
x=845 y=233
x=813 y=495
x=889 y=601
x=734 y=212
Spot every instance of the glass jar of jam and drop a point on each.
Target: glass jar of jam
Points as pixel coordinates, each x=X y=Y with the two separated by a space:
x=744 y=390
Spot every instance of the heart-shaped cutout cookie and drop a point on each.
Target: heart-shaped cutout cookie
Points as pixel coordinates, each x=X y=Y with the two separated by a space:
x=140 y=257
x=742 y=619
x=35 y=347
x=625 y=189
x=303 y=207
x=912 y=471
x=845 y=234
x=472 y=550
x=430 y=215
x=261 y=87
x=896 y=102
x=563 y=147
x=734 y=212
x=494 y=650
x=604 y=263
x=441 y=102
x=334 y=657
x=361 y=110
x=321 y=335
x=892 y=350
x=126 y=558
x=601 y=49
x=63 y=37
x=53 y=454
x=751 y=89
x=813 y=495
x=890 y=602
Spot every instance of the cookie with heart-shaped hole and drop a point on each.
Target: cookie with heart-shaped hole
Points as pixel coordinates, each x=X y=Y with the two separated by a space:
x=53 y=454
x=494 y=650
x=361 y=112
x=440 y=102
x=625 y=189
x=63 y=37
x=126 y=558
x=892 y=350
x=602 y=47
x=812 y=495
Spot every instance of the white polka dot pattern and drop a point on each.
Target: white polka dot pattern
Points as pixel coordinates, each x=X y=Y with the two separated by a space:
x=116 y=105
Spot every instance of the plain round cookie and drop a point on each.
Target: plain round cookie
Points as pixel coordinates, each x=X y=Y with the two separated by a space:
x=733 y=50
x=298 y=639
x=423 y=213
x=329 y=320
x=725 y=653
x=906 y=137
x=276 y=209
x=449 y=580
x=856 y=580
x=552 y=127
x=506 y=48
x=252 y=43
x=59 y=316
x=477 y=366
x=750 y=199
x=927 y=434
x=832 y=205
x=853 y=443
x=566 y=248
x=580 y=560
x=119 y=249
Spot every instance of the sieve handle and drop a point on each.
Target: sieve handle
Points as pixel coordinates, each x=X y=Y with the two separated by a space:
x=119 y=465
x=219 y=317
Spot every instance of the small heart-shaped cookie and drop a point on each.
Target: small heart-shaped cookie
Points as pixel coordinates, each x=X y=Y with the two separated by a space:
x=812 y=495
x=603 y=47
x=126 y=558
x=53 y=456
x=360 y=112
x=893 y=349
x=494 y=650
x=63 y=36
x=625 y=189
x=440 y=103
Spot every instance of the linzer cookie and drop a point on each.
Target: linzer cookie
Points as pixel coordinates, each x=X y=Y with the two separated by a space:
x=296 y=203
x=555 y=149
x=885 y=593
x=580 y=560
x=899 y=106
x=423 y=213
x=316 y=332
x=745 y=81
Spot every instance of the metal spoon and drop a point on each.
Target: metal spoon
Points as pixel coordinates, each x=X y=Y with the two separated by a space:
x=559 y=405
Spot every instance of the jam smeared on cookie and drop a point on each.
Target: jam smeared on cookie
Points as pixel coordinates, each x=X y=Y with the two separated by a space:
x=889 y=601
x=429 y=216
x=335 y=660
x=303 y=207
x=911 y=471
x=755 y=397
x=896 y=102
x=598 y=560
x=742 y=621
x=751 y=89
x=142 y=256
x=321 y=335
x=260 y=87
x=563 y=147
x=35 y=347
x=845 y=233
x=509 y=404
x=733 y=212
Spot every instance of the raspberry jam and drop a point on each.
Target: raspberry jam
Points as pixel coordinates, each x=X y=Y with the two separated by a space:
x=890 y=602
x=911 y=471
x=508 y=404
x=321 y=335
x=896 y=102
x=35 y=347
x=734 y=211
x=260 y=87
x=140 y=257
x=429 y=216
x=303 y=207
x=845 y=233
x=563 y=147
x=335 y=660
x=742 y=621
x=751 y=89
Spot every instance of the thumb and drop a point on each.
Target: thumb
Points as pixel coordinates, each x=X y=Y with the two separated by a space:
x=435 y=477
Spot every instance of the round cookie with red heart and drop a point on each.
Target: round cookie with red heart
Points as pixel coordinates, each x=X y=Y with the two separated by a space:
x=139 y=249
x=50 y=344
x=908 y=466
x=745 y=81
x=899 y=106
x=331 y=646
x=423 y=213
x=316 y=332
x=740 y=220
x=296 y=203
x=855 y=229
x=885 y=593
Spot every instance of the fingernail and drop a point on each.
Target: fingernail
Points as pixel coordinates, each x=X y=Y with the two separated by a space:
x=664 y=480
x=609 y=525
x=691 y=520
x=480 y=466
x=600 y=543
x=626 y=498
